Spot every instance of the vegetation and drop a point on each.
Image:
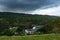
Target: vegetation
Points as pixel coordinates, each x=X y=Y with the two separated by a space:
x=32 y=37
x=52 y=27
x=15 y=23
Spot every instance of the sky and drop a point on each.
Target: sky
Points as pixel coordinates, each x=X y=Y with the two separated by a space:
x=41 y=7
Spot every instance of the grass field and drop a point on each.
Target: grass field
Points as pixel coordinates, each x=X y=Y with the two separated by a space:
x=32 y=37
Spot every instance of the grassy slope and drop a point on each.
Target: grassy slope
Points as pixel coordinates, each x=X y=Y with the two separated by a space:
x=35 y=37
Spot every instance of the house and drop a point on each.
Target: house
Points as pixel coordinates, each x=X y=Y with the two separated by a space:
x=34 y=29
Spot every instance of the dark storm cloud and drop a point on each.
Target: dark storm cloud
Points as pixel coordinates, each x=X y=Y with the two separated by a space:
x=25 y=5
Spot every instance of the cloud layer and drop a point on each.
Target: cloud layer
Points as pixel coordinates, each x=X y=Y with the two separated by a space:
x=48 y=11
x=27 y=5
x=24 y=4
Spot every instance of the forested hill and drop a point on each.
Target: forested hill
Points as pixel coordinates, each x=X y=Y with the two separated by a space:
x=21 y=19
x=17 y=22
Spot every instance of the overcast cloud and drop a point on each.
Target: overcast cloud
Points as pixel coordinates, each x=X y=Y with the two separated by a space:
x=29 y=6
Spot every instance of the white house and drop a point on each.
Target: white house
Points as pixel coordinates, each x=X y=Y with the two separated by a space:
x=34 y=29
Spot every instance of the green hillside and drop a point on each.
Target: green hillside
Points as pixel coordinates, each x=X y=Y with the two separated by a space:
x=21 y=18
x=53 y=26
x=22 y=21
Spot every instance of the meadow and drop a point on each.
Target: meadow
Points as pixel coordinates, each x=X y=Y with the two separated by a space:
x=32 y=37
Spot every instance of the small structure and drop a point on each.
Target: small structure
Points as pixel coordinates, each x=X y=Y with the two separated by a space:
x=34 y=29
